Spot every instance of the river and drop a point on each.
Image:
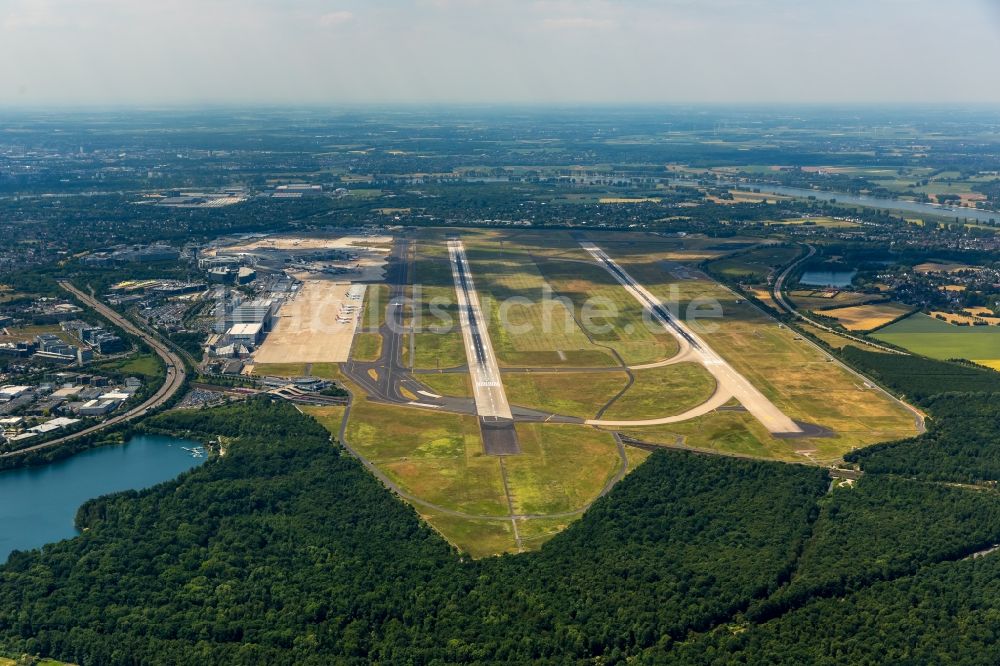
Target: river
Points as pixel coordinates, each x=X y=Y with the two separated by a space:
x=38 y=504
x=861 y=200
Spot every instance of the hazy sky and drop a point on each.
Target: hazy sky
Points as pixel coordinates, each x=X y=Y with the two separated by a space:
x=154 y=52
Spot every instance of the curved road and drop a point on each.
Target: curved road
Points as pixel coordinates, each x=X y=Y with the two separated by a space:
x=919 y=421
x=176 y=374
x=719 y=398
x=779 y=297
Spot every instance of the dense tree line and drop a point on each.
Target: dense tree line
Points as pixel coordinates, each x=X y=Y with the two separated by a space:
x=286 y=551
x=961 y=398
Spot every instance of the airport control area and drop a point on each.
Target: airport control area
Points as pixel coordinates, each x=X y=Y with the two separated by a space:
x=503 y=380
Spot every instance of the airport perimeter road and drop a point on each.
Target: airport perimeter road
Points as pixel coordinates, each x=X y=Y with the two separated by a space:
x=729 y=380
x=176 y=374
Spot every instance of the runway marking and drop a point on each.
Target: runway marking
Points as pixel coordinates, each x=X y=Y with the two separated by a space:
x=423 y=404
x=428 y=395
x=488 y=391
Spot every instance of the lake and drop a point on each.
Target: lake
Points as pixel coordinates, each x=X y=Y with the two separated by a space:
x=38 y=504
x=827 y=278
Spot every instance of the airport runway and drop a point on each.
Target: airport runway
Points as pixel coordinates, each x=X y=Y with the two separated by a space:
x=495 y=418
x=729 y=380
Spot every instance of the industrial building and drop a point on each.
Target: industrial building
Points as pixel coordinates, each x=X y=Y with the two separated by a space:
x=245 y=334
x=259 y=311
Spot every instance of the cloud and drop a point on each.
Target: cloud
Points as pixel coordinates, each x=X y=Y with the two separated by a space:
x=335 y=18
x=29 y=15
x=577 y=23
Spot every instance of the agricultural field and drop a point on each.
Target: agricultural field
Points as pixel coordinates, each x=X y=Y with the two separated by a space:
x=867 y=317
x=969 y=317
x=819 y=221
x=819 y=300
x=937 y=339
x=942 y=267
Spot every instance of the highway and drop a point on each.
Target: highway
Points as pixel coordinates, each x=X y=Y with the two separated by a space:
x=176 y=374
x=729 y=380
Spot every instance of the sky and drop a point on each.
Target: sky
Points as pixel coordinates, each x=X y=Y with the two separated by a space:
x=330 y=52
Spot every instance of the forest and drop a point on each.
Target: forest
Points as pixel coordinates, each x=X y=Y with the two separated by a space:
x=286 y=551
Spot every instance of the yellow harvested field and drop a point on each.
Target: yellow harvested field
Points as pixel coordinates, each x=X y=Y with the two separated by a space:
x=957 y=319
x=935 y=267
x=309 y=328
x=990 y=363
x=623 y=200
x=867 y=317
x=967 y=318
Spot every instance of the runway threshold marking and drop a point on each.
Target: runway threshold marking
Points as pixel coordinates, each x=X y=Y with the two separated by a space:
x=489 y=394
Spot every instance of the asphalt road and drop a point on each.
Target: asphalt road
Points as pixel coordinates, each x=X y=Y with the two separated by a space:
x=779 y=296
x=176 y=374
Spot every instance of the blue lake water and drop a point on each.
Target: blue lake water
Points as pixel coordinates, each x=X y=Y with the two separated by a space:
x=38 y=504
x=827 y=278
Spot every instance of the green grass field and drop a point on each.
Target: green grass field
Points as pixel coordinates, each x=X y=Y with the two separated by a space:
x=279 y=369
x=932 y=337
x=366 y=347
x=376 y=300
x=435 y=456
x=663 y=392
x=438 y=458
x=561 y=467
x=147 y=365
x=617 y=319
x=329 y=417
x=755 y=265
x=435 y=351
x=478 y=538
x=820 y=221
x=455 y=384
x=797 y=377
x=28 y=333
x=568 y=394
